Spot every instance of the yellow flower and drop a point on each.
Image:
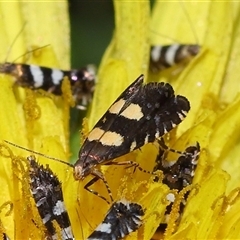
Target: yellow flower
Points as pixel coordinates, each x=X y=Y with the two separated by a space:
x=209 y=81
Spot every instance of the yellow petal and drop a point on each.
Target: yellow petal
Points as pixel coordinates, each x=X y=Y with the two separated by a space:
x=125 y=58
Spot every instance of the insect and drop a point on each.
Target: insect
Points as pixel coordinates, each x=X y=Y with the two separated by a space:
x=46 y=190
x=162 y=57
x=123 y=218
x=82 y=80
x=140 y=115
x=49 y=79
x=180 y=173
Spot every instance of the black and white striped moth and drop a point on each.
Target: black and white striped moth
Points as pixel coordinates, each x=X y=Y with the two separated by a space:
x=47 y=193
x=49 y=79
x=123 y=218
x=140 y=115
x=178 y=174
x=162 y=57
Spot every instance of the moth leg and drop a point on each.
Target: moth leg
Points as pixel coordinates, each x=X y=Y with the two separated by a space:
x=162 y=144
x=97 y=177
x=130 y=164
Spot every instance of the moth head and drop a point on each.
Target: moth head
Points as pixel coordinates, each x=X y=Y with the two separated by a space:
x=78 y=172
x=83 y=84
x=83 y=167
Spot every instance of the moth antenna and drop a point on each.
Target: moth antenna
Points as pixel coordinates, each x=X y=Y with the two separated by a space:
x=80 y=224
x=189 y=20
x=84 y=218
x=80 y=221
x=33 y=50
x=40 y=154
x=14 y=40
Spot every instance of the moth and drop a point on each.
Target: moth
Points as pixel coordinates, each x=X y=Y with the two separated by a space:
x=122 y=218
x=47 y=193
x=140 y=115
x=50 y=79
x=162 y=57
x=178 y=174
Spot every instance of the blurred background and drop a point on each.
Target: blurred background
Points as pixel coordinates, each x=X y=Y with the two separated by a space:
x=92 y=24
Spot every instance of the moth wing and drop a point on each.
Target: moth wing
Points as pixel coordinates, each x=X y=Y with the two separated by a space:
x=139 y=116
x=101 y=131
